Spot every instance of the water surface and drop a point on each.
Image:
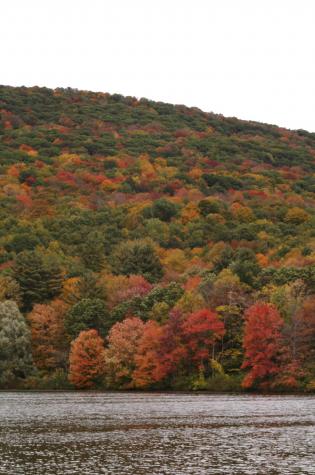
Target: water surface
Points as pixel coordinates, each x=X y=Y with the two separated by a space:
x=85 y=433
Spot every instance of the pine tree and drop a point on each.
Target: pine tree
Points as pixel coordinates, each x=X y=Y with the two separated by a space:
x=38 y=281
x=87 y=314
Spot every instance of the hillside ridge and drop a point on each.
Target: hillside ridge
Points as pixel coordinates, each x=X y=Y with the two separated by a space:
x=180 y=236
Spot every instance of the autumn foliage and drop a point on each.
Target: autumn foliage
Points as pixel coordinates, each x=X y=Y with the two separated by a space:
x=148 y=370
x=142 y=354
x=86 y=360
x=48 y=334
x=201 y=330
x=154 y=246
x=120 y=355
x=262 y=345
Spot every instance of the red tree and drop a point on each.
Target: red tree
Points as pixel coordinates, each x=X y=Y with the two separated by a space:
x=148 y=368
x=262 y=344
x=172 y=351
x=201 y=330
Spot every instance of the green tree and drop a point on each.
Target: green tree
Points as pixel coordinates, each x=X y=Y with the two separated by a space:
x=158 y=231
x=162 y=209
x=168 y=295
x=137 y=257
x=92 y=251
x=22 y=241
x=39 y=281
x=15 y=345
x=245 y=265
x=85 y=315
x=89 y=288
x=223 y=259
x=209 y=206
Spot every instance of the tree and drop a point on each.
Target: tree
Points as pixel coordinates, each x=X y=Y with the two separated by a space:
x=120 y=288
x=296 y=216
x=172 y=351
x=70 y=292
x=48 y=335
x=24 y=241
x=299 y=339
x=90 y=288
x=190 y=302
x=162 y=209
x=306 y=346
x=137 y=257
x=123 y=340
x=9 y=289
x=222 y=258
x=158 y=231
x=289 y=300
x=209 y=206
x=39 y=281
x=231 y=351
x=87 y=314
x=226 y=289
x=167 y=295
x=189 y=213
x=87 y=286
x=147 y=370
x=245 y=265
x=86 y=360
x=15 y=345
x=241 y=213
x=92 y=251
x=175 y=261
x=201 y=330
x=262 y=345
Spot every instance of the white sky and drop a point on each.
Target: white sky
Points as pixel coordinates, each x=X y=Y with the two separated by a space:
x=252 y=59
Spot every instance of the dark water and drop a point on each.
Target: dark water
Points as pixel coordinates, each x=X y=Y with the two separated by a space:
x=140 y=434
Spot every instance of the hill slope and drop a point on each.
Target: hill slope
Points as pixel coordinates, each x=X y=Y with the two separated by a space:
x=114 y=207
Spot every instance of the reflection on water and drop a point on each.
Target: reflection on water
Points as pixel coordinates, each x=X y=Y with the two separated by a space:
x=155 y=434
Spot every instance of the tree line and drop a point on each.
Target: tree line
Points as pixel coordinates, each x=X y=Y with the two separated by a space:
x=150 y=245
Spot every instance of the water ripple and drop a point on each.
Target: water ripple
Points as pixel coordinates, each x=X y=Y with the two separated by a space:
x=60 y=433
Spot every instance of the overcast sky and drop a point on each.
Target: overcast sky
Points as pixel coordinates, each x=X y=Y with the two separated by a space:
x=252 y=59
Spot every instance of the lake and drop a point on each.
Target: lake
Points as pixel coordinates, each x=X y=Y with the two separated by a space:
x=86 y=433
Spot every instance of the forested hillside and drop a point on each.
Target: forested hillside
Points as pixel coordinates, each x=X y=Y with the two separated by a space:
x=147 y=245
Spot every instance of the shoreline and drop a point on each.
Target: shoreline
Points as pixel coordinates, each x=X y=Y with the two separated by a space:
x=162 y=391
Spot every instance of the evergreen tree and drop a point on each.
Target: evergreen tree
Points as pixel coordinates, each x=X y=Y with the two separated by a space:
x=85 y=315
x=137 y=257
x=92 y=251
x=38 y=281
x=15 y=345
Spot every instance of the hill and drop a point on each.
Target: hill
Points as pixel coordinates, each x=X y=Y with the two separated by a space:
x=172 y=247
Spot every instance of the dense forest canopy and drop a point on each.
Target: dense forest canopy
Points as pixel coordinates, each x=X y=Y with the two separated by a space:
x=151 y=245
